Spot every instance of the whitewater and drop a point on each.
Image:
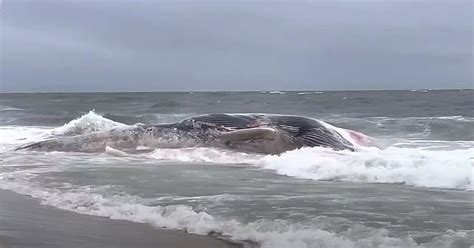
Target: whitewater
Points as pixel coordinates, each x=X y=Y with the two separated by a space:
x=414 y=191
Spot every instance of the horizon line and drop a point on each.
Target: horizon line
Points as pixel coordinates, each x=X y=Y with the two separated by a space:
x=217 y=91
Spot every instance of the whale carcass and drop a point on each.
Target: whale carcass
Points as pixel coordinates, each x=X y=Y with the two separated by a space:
x=256 y=133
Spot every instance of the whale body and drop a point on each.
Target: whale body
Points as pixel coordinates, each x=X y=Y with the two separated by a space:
x=255 y=133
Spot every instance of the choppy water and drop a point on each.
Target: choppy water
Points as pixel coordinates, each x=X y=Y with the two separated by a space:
x=417 y=191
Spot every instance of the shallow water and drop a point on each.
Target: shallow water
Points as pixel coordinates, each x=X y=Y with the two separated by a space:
x=416 y=191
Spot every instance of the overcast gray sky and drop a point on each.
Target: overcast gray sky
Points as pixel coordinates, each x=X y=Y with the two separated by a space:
x=190 y=45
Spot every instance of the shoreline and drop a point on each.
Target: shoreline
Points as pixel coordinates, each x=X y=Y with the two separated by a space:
x=24 y=222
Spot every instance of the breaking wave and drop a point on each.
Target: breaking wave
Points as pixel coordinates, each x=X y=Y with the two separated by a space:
x=88 y=123
x=317 y=232
x=310 y=92
x=11 y=136
x=410 y=166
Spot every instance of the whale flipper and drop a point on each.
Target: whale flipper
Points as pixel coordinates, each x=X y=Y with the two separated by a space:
x=260 y=140
x=248 y=134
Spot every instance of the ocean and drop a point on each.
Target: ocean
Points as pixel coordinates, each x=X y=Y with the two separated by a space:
x=415 y=190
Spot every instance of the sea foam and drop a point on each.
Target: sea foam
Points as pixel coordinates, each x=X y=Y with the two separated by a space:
x=411 y=166
x=265 y=233
x=452 y=169
x=88 y=123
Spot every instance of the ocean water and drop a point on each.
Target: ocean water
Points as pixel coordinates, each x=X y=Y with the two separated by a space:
x=416 y=190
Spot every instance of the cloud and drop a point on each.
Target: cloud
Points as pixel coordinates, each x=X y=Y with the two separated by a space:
x=235 y=45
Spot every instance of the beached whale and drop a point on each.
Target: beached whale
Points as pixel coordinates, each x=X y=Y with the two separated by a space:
x=257 y=133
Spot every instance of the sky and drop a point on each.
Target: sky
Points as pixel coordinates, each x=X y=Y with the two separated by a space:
x=245 y=45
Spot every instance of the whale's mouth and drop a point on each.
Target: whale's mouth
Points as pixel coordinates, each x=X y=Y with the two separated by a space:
x=359 y=138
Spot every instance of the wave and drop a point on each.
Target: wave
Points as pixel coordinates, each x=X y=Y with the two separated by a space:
x=410 y=166
x=11 y=136
x=4 y=108
x=451 y=169
x=317 y=232
x=87 y=123
x=277 y=92
x=310 y=92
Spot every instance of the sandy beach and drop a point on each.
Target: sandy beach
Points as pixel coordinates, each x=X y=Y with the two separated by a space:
x=24 y=222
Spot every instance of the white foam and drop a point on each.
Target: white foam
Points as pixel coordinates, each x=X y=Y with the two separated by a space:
x=88 y=123
x=19 y=135
x=277 y=92
x=411 y=166
x=310 y=93
x=4 y=108
x=265 y=233
x=12 y=136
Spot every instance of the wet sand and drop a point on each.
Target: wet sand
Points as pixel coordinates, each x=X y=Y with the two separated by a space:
x=24 y=222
